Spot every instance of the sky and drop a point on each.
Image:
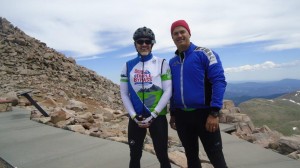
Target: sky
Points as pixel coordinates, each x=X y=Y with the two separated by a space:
x=257 y=40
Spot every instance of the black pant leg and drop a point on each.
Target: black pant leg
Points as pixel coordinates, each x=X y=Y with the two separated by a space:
x=159 y=134
x=136 y=137
x=187 y=133
x=212 y=142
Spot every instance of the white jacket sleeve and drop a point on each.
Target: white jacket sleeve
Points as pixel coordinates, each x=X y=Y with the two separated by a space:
x=126 y=100
x=125 y=94
x=166 y=86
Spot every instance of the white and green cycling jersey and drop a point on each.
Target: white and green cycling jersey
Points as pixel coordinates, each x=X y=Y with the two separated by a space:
x=146 y=85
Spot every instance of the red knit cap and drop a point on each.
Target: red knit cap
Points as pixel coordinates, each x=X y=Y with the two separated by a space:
x=180 y=23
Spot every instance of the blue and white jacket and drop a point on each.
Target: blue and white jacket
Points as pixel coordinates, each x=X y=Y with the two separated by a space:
x=145 y=85
x=198 y=79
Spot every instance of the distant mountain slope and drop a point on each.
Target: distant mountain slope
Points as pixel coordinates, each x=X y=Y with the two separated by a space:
x=281 y=114
x=245 y=91
x=293 y=97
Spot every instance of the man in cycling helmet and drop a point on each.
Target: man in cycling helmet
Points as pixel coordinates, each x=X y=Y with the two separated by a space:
x=145 y=90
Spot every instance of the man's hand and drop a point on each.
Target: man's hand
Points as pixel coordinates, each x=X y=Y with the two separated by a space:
x=137 y=119
x=146 y=122
x=212 y=123
x=172 y=123
x=140 y=120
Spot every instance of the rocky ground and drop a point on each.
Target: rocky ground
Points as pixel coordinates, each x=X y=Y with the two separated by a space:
x=4 y=164
x=89 y=117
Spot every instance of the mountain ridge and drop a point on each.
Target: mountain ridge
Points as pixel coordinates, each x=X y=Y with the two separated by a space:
x=240 y=92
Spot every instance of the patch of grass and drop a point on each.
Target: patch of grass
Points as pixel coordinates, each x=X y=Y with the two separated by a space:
x=280 y=115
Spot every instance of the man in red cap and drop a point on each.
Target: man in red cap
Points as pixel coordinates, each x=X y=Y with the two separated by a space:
x=198 y=83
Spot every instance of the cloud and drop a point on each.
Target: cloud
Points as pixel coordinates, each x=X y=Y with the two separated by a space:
x=264 y=66
x=95 y=27
x=88 y=58
x=128 y=55
x=284 y=44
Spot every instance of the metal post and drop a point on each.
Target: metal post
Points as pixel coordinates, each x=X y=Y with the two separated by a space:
x=25 y=94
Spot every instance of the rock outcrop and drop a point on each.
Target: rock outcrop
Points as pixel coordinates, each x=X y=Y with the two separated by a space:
x=27 y=63
x=264 y=136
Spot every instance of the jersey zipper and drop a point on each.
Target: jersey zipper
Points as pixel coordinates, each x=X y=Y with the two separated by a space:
x=143 y=86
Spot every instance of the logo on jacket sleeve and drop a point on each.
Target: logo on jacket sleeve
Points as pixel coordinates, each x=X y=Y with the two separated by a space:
x=210 y=55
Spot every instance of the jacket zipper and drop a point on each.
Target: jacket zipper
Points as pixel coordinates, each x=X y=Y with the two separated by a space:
x=181 y=78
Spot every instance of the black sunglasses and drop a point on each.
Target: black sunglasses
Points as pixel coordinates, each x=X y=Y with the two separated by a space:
x=141 y=42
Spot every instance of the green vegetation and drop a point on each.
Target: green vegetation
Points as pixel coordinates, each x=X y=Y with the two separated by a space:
x=278 y=114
